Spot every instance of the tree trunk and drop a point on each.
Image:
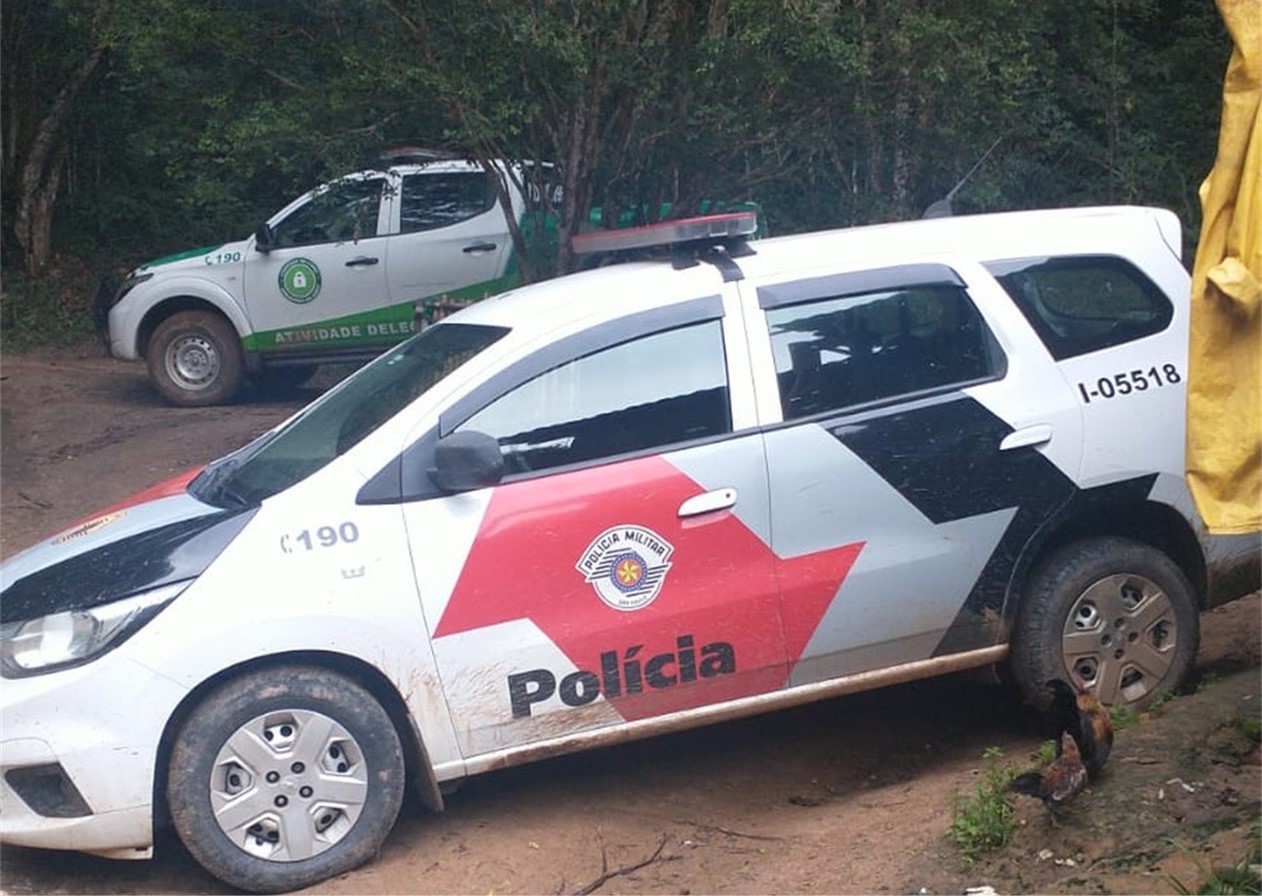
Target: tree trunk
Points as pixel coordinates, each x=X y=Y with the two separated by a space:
x=41 y=173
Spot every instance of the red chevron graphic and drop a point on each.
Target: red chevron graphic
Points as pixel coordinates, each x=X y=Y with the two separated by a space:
x=721 y=587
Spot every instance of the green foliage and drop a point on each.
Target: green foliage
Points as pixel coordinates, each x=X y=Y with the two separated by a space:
x=1123 y=717
x=1240 y=879
x=984 y=821
x=50 y=310
x=1047 y=752
x=206 y=118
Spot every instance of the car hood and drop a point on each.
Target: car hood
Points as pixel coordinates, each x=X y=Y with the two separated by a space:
x=158 y=536
x=191 y=259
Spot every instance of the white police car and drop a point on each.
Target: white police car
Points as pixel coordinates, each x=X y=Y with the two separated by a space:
x=637 y=499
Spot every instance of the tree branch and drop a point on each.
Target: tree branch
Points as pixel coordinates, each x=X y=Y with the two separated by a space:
x=606 y=875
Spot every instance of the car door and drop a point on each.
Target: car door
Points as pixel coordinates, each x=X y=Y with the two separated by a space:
x=451 y=235
x=325 y=271
x=911 y=428
x=619 y=571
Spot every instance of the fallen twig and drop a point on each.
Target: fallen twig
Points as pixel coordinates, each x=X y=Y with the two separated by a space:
x=29 y=500
x=730 y=833
x=606 y=875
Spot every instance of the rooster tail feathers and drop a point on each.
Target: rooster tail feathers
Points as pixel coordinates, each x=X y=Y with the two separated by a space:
x=1030 y=784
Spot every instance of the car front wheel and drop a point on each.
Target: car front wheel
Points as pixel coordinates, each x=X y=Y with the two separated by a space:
x=195 y=359
x=1112 y=615
x=284 y=777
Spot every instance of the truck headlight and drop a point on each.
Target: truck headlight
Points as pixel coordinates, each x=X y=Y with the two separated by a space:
x=74 y=637
x=134 y=279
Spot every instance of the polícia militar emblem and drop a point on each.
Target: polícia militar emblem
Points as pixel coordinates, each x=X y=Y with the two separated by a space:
x=626 y=565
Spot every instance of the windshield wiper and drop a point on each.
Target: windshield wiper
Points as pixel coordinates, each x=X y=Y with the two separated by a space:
x=214 y=484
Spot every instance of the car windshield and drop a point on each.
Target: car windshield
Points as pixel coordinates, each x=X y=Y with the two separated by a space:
x=335 y=423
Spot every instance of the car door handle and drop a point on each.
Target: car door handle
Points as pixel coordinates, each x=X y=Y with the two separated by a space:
x=478 y=247
x=1039 y=434
x=362 y=262
x=719 y=499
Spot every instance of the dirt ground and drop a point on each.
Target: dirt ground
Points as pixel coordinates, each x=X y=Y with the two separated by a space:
x=851 y=795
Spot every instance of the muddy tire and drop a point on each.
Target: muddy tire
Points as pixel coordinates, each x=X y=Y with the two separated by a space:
x=195 y=359
x=1109 y=614
x=285 y=777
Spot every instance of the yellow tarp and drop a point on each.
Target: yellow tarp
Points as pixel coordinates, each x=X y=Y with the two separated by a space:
x=1224 y=442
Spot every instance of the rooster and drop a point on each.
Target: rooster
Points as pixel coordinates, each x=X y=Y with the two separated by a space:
x=1059 y=782
x=1079 y=712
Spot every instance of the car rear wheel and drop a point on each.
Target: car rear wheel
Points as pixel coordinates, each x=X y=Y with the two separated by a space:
x=1112 y=615
x=285 y=777
x=195 y=359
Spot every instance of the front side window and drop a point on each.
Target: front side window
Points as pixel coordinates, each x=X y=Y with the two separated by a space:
x=658 y=390
x=438 y=200
x=849 y=350
x=1081 y=304
x=344 y=211
x=343 y=416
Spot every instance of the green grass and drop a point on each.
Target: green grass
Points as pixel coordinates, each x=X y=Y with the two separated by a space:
x=985 y=820
x=1123 y=717
x=52 y=309
x=1047 y=752
x=1240 y=879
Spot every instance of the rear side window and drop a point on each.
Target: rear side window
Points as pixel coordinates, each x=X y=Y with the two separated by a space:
x=1082 y=304
x=437 y=200
x=850 y=350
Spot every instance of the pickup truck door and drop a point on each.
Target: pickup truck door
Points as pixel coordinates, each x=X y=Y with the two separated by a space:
x=328 y=266
x=450 y=235
x=923 y=428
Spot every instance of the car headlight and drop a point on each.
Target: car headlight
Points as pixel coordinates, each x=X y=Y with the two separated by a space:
x=73 y=637
x=133 y=280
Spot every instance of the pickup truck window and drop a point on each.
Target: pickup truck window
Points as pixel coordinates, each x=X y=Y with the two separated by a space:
x=437 y=200
x=842 y=351
x=347 y=210
x=1081 y=304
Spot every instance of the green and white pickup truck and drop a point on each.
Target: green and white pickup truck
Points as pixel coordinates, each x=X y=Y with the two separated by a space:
x=339 y=274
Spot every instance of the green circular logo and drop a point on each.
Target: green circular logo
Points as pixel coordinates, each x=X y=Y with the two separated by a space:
x=299 y=280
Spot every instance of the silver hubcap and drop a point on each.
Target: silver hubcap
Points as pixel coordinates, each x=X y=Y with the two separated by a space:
x=288 y=785
x=193 y=362
x=1120 y=638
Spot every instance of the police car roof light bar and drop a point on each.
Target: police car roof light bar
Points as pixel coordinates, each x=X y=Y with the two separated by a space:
x=730 y=226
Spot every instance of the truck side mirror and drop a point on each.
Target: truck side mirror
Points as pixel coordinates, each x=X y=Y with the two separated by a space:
x=466 y=460
x=264 y=239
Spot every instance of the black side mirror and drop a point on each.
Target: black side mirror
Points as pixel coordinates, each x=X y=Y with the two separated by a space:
x=264 y=239
x=464 y=461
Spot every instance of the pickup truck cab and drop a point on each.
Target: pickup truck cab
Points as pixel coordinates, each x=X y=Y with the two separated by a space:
x=750 y=476
x=336 y=275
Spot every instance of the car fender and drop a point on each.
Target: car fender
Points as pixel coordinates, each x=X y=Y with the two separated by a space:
x=149 y=303
x=346 y=600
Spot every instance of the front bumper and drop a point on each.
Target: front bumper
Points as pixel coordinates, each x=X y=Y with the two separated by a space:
x=78 y=757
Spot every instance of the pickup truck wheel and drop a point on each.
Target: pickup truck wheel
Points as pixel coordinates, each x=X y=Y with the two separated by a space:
x=284 y=777
x=195 y=359
x=1112 y=615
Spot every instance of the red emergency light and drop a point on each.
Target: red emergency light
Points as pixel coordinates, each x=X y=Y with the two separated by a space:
x=683 y=231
